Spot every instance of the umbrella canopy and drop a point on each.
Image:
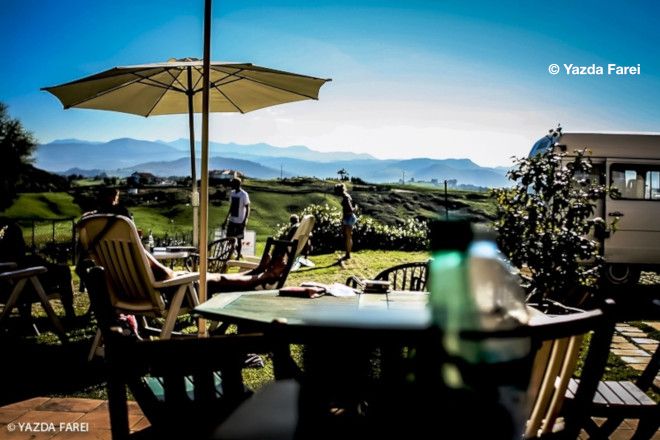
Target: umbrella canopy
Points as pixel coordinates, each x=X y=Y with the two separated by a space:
x=175 y=87
x=163 y=88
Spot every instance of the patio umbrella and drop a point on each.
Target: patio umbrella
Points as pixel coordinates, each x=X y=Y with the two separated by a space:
x=175 y=87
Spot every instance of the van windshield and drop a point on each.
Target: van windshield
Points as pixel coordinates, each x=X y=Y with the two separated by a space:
x=543 y=145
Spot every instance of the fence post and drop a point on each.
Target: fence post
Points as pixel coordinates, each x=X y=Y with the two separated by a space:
x=53 y=238
x=33 y=245
x=73 y=240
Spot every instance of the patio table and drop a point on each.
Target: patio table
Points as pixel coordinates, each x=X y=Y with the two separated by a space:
x=359 y=351
x=401 y=309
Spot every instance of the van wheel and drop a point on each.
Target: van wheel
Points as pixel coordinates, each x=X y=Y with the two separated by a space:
x=621 y=274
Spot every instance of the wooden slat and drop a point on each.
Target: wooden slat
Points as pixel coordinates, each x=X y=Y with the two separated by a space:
x=609 y=395
x=641 y=397
x=621 y=392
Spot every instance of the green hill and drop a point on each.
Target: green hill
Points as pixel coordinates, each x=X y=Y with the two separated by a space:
x=166 y=211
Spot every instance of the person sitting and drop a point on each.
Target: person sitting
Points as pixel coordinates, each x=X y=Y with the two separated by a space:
x=56 y=279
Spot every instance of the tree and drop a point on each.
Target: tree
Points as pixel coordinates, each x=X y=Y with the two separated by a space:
x=545 y=223
x=16 y=148
x=343 y=174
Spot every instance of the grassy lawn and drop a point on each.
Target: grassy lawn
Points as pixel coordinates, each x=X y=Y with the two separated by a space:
x=43 y=205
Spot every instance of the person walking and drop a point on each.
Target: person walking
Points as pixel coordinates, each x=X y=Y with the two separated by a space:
x=239 y=212
x=348 y=218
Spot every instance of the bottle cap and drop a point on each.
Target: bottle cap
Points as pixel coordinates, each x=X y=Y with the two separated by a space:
x=450 y=235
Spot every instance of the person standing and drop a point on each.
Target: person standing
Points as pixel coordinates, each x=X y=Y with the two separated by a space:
x=348 y=218
x=239 y=212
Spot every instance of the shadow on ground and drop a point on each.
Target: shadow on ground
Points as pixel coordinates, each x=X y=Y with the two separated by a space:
x=31 y=367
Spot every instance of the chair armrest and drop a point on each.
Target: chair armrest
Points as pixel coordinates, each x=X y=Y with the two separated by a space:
x=178 y=280
x=252 y=258
x=354 y=282
x=242 y=264
x=7 y=266
x=23 y=273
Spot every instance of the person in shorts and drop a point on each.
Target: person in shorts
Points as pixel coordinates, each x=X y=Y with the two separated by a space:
x=348 y=218
x=239 y=212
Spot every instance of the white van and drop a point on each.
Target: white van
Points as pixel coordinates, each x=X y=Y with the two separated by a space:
x=629 y=164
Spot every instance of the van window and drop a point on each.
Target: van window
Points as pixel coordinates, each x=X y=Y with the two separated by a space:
x=638 y=182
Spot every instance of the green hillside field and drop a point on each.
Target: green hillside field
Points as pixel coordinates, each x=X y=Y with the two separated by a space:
x=166 y=211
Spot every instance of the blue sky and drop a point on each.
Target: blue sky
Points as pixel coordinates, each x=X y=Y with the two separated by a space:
x=410 y=78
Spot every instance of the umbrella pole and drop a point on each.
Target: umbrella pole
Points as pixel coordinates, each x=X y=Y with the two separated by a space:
x=204 y=171
x=194 y=200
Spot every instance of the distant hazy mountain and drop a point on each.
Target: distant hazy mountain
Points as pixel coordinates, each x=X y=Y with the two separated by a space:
x=294 y=152
x=122 y=157
x=118 y=153
x=181 y=167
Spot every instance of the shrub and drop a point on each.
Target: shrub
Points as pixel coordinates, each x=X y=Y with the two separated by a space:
x=545 y=223
x=367 y=233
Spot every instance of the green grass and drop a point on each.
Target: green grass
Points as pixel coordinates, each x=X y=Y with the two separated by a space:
x=43 y=205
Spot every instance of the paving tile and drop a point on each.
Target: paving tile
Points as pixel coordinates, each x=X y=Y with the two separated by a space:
x=96 y=420
x=134 y=408
x=48 y=422
x=140 y=424
x=9 y=415
x=644 y=341
x=634 y=352
x=624 y=346
x=618 y=338
x=97 y=434
x=635 y=359
x=634 y=334
x=622 y=434
x=648 y=347
x=27 y=404
x=654 y=324
x=656 y=436
x=70 y=404
x=638 y=367
x=632 y=423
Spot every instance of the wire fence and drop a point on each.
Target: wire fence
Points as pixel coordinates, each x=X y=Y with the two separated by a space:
x=52 y=238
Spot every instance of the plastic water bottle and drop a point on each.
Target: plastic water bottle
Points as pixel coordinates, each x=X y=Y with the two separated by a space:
x=472 y=288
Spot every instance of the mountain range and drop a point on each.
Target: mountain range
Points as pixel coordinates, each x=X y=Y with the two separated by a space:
x=122 y=157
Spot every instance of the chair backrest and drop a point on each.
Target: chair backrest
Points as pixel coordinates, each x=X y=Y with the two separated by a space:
x=302 y=233
x=560 y=340
x=112 y=241
x=221 y=251
x=276 y=252
x=408 y=276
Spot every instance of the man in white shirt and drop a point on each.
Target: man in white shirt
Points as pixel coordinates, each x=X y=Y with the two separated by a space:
x=239 y=212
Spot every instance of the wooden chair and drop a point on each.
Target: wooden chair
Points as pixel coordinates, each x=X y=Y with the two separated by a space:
x=219 y=254
x=561 y=339
x=618 y=400
x=301 y=236
x=185 y=387
x=262 y=277
x=407 y=276
x=14 y=282
x=113 y=242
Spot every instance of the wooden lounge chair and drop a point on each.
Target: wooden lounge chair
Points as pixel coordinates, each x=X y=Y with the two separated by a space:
x=12 y=286
x=301 y=235
x=407 y=276
x=618 y=400
x=265 y=275
x=185 y=387
x=113 y=242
